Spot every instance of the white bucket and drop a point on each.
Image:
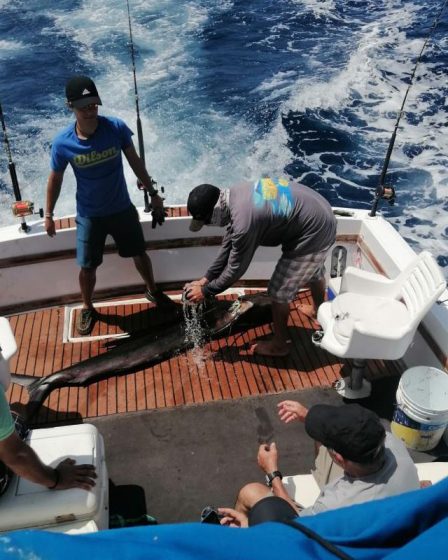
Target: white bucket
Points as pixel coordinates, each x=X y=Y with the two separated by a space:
x=421 y=415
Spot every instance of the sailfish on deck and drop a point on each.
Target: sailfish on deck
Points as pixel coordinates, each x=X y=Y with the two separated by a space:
x=143 y=350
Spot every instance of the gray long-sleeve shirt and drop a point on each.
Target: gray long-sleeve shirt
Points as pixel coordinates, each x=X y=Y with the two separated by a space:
x=270 y=213
x=397 y=475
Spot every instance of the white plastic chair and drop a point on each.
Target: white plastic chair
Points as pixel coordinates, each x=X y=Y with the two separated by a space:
x=374 y=317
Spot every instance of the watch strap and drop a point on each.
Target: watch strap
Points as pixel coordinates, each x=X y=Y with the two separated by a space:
x=270 y=477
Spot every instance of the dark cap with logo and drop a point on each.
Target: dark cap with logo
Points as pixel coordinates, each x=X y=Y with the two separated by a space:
x=81 y=91
x=351 y=430
x=200 y=204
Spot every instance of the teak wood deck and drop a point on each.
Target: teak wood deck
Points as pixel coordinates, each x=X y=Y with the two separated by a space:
x=226 y=370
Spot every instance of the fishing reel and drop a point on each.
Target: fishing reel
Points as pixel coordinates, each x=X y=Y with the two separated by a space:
x=383 y=192
x=25 y=208
x=140 y=186
x=22 y=208
x=388 y=195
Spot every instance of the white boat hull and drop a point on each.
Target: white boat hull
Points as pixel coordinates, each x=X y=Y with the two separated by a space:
x=37 y=270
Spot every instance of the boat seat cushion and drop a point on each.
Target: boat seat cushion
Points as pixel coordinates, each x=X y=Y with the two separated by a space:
x=29 y=505
x=369 y=314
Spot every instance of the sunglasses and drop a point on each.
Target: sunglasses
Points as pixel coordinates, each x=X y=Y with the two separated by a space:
x=89 y=107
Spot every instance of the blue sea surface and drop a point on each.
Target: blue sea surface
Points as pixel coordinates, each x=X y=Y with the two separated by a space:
x=233 y=89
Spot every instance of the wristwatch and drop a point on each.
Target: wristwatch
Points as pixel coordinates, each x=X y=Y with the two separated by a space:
x=270 y=477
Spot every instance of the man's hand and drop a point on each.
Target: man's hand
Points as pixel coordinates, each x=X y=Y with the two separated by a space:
x=72 y=475
x=233 y=518
x=268 y=457
x=193 y=292
x=50 y=228
x=290 y=411
x=158 y=211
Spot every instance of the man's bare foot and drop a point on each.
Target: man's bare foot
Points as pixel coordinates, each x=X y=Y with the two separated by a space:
x=270 y=349
x=310 y=312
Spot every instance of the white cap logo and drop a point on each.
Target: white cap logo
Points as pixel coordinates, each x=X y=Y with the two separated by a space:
x=85 y=92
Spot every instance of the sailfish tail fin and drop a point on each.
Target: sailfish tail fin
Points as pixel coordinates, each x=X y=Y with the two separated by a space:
x=26 y=381
x=37 y=389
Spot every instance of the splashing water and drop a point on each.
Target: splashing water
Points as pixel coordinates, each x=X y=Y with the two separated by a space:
x=195 y=334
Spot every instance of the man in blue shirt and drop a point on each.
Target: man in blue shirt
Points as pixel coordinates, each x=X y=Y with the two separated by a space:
x=93 y=145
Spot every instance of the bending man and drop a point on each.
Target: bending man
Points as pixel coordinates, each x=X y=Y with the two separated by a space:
x=269 y=212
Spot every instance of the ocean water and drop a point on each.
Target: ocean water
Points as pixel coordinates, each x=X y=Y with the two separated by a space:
x=231 y=89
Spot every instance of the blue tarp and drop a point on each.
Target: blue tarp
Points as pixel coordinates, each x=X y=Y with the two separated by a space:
x=413 y=525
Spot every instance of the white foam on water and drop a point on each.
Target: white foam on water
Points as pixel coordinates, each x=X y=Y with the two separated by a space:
x=278 y=85
x=189 y=141
x=374 y=74
x=10 y=48
x=319 y=8
x=183 y=139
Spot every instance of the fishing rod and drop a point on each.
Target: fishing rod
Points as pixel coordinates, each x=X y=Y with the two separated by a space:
x=388 y=192
x=20 y=208
x=141 y=146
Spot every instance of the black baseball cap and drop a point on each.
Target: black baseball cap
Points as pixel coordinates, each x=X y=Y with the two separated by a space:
x=81 y=91
x=352 y=430
x=200 y=204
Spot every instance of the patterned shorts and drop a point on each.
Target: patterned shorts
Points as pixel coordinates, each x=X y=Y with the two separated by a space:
x=295 y=272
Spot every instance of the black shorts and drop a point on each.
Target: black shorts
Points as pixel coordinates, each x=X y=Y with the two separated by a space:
x=271 y=508
x=91 y=233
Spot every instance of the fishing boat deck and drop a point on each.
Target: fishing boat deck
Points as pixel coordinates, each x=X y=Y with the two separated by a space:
x=225 y=368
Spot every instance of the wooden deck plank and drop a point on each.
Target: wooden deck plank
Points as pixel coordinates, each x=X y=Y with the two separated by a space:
x=224 y=365
x=159 y=389
x=149 y=384
x=24 y=340
x=178 y=388
x=198 y=396
x=212 y=375
x=224 y=369
x=168 y=387
x=252 y=365
x=17 y=393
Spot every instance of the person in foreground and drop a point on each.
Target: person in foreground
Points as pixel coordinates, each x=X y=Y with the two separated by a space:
x=356 y=461
x=93 y=146
x=23 y=461
x=270 y=212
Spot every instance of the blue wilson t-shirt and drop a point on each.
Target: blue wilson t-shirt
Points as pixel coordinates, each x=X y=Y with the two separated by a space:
x=97 y=164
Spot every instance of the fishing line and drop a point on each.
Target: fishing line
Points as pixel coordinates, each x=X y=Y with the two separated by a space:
x=383 y=191
x=141 y=146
